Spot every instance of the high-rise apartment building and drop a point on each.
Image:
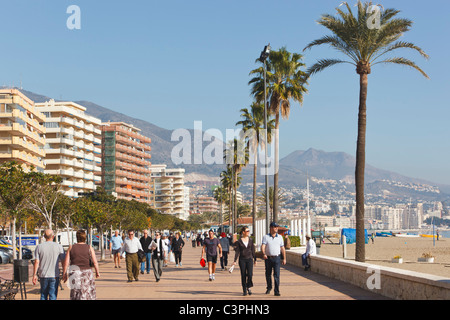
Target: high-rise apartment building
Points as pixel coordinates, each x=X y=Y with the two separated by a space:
x=21 y=130
x=72 y=146
x=169 y=190
x=126 y=162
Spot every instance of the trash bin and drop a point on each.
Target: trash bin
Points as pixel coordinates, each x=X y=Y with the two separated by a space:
x=21 y=270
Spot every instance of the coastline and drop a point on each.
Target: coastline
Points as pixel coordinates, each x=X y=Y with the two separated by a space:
x=384 y=249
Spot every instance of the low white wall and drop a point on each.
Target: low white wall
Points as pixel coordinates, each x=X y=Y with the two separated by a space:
x=389 y=282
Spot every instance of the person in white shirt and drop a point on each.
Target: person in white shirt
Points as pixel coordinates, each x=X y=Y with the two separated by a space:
x=131 y=245
x=157 y=247
x=310 y=251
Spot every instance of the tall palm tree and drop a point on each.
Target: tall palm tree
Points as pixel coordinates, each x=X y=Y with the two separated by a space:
x=220 y=194
x=286 y=82
x=365 y=47
x=226 y=179
x=237 y=159
x=253 y=120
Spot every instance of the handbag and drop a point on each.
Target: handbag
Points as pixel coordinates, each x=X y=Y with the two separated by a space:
x=202 y=262
x=141 y=256
x=171 y=257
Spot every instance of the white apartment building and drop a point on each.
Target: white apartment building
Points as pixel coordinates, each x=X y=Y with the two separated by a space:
x=72 y=146
x=169 y=192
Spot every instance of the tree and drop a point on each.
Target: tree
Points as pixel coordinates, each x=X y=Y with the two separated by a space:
x=262 y=198
x=44 y=195
x=253 y=121
x=364 y=47
x=15 y=188
x=220 y=194
x=285 y=83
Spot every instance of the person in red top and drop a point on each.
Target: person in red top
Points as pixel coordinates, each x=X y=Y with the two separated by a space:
x=210 y=247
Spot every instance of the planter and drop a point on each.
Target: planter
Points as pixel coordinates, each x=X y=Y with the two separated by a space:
x=397 y=260
x=428 y=260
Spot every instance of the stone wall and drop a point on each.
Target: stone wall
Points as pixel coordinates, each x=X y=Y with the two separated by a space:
x=389 y=282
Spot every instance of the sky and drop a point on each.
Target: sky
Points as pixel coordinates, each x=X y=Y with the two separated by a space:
x=174 y=62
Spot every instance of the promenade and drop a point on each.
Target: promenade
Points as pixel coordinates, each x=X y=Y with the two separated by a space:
x=190 y=282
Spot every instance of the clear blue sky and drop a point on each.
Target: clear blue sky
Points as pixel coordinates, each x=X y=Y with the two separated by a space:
x=175 y=61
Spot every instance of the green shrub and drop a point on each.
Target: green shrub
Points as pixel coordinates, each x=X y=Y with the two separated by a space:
x=295 y=241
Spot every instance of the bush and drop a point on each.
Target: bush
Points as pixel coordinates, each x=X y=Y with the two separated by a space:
x=295 y=241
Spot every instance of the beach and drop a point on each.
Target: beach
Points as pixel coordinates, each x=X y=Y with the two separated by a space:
x=384 y=249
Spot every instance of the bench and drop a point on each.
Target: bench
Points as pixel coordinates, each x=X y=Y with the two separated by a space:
x=8 y=289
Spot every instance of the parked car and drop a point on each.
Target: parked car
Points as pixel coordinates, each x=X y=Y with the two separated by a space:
x=6 y=255
x=26 y=253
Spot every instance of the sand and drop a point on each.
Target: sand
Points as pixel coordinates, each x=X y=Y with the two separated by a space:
x=410 y=249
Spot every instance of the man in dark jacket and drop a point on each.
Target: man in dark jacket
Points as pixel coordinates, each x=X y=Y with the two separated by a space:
x=157 y=256
x=146 y=240
x=177 y=247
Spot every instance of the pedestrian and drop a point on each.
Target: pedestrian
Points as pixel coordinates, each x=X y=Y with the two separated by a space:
x=48 y=255
x=225 y=243
x=131 y=246
x=145 y=241
x=116 y=247
x=272 y=246
x=165 y=245
x=310 y=251
x=193 y=239
x=245 y=251
x=80 y=258
x=157 y=256
x=210 y=246
x=177 y=249
x=372 y=237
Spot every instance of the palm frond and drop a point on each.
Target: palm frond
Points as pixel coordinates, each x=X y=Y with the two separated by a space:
x=325 y=63
x=406 y=62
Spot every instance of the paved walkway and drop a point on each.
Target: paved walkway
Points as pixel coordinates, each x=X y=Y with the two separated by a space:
x=190 y=282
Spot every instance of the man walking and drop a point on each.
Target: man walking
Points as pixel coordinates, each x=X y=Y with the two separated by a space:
x=212 y=248
x=272 y=246
x=48 y=255
x=146 y=240
x=157 y=256
x=131 y=245
x=116 y=247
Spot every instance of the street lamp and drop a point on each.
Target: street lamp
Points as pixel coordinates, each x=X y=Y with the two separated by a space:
x=263 y=57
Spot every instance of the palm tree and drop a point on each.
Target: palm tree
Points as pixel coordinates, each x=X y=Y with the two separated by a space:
x=280 y=198
x=221 y=196
x=253 y=120
x=285 y=83
x=364 y=47
x=226 y=179
x=236 y=160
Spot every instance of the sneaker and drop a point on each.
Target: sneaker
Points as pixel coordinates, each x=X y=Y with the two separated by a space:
x=181 y=264
x=214 y=276
x=210 y=277
x=176 y=266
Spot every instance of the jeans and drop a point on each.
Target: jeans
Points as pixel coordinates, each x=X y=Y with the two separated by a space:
x=224 y=259
x=305 y=260
x=49 y=288
x=147 y=264
x=273 y=264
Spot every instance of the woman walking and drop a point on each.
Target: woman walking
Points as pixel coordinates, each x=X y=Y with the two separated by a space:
x=81 y=258
x=177 y=248
x=245 y=251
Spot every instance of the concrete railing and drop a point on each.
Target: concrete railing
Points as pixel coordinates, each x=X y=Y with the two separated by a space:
x=389 y=282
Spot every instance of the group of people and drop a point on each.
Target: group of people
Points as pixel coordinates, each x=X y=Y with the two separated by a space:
x=77 y=264
x=144 y=253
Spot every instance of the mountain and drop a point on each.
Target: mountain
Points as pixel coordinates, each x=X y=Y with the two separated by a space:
x=293 y=168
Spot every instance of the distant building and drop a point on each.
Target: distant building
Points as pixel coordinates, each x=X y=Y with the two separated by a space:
x=126 y=162
x=200 y=204
x=21 y=130
x=72 y=146
x=169 y=191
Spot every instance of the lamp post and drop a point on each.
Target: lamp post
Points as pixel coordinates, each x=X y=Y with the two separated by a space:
x=263 y=57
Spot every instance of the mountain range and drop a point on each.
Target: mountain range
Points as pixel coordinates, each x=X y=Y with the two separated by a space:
x=293 y=168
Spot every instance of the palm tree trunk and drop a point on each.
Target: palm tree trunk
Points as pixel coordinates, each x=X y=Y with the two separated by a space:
x=359 y=170
x=254 y=193
x=275 y=176
x=235 y=203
